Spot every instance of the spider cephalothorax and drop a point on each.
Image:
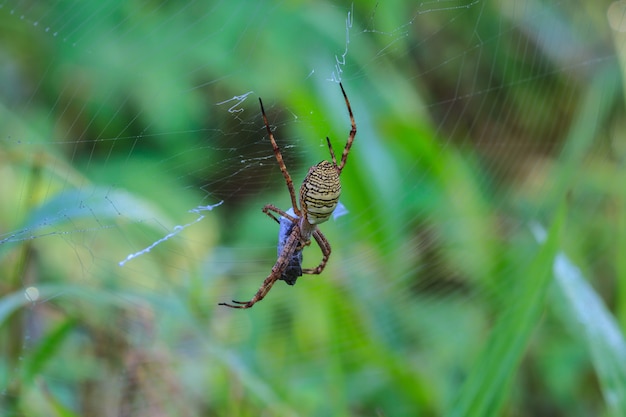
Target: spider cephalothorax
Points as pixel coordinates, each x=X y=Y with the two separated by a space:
x=319 y=195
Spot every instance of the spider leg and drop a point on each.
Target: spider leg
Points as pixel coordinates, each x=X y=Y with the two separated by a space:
x=277 y=270
x=332 y=152
x=271 y=207
x=281 y=163
x=346 y=150
x=262 y=292
x=325 y=247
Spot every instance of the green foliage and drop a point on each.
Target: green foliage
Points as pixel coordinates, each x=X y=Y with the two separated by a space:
x=475 y=124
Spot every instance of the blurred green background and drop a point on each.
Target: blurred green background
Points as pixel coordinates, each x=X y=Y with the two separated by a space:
x=479 y=272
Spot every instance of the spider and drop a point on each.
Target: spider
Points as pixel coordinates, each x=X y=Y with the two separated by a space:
x=294 y=268
x=319 y=195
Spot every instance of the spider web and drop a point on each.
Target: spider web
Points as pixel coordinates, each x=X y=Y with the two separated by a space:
x=135 y=165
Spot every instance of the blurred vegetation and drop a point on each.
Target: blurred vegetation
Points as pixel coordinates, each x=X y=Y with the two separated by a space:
x=479 y=272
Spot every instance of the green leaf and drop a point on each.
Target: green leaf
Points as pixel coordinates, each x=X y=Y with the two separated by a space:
x=486 y=388
x=599 y=331
x=82 y=209
x=46 y=349
x=56 y=406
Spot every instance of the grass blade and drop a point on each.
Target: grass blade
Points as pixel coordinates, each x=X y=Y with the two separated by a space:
x=600 y=332
x=486 y=389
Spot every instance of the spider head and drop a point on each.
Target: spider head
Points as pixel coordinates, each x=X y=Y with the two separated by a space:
x=320 y=192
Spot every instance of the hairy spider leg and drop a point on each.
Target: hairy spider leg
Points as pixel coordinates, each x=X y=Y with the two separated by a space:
x=294 y=268
x=325 y=247
x=332 y=152
x=317 y=234
x=286 y=224
x=277 y=271
x=271 y=207
x=346 y=150
x=281 y=163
